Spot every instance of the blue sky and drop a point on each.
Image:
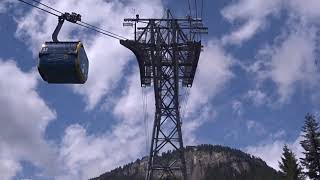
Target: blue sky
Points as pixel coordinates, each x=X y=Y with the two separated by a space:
x=256 y=81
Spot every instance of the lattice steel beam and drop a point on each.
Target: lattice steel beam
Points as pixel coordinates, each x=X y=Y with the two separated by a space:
x=168 y=52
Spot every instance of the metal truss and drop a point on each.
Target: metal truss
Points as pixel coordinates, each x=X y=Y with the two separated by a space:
x=168 y=52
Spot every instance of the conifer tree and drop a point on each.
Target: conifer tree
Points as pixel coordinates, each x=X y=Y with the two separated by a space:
x=311 y=146
x=290 y=169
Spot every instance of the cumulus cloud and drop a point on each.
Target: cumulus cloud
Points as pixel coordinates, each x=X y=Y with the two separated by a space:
x=86 y=156
x=213 y=73
x=253 y=13
x=89 y=155
x=307 y=11
x=129 y=106
x=107 y=57
x=258 y=97
x=5 y=5
x=191 y=124
x=255 y=126
x=271 y=151
x=291 y=62
x=244 y=33
x=237 y=107
x=24 y=117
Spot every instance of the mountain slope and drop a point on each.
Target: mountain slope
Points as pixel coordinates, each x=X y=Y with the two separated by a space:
x=204 y=162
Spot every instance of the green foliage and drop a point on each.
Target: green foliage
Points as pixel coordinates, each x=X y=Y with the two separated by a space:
x=311 y=146
x=290 y=169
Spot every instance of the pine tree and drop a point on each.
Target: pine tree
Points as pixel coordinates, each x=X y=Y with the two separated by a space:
x=311 y=146
x=290 y=169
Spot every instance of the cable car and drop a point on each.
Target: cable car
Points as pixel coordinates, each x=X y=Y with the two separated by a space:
x=63 y=62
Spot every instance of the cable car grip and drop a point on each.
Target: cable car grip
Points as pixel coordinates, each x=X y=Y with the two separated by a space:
x=73 y=17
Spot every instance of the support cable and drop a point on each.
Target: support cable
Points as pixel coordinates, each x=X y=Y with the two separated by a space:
x=201 y=9
x=48 y=6
x=189 y=5
x=80 y=23
x=94 y=29
x=185 y=104
x=196 y=8
x=103 y=30
x=144 y=116
x=30 y=4
x=145 y=120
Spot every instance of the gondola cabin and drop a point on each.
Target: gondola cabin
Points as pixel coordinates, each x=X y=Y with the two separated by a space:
x=63 y=63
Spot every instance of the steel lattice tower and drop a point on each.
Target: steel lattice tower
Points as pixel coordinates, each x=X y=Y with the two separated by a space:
x=167 y=51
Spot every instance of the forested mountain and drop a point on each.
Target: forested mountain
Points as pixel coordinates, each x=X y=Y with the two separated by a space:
x=204 y=162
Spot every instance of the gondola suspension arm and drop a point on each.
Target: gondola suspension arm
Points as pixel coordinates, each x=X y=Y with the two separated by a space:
x=73 y=18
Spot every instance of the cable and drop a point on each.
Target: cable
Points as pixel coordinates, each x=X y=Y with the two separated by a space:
x=103 y=30
x=201 y=9
x=145 y=116
x=38 y=7
x=189 y=7
x=196 y=7
x=185 y=104
x=47 y=6
x=83 y=24
x=99 y=31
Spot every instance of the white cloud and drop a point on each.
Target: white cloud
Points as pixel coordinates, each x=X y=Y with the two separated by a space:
x=107 y=57
x=291 y=62
x=89 y=155
x=214 y=71
x=24 y=117
x=86 y=156
x=255 y=126
x=257 y=96
x=237 y=107
x=191 y=124
x=307 y=11
x=270 y=153
x=271 y=150
x=253 y=12
x=129 y=106
x=242 y=34
x=254 y=15
x=5 y=5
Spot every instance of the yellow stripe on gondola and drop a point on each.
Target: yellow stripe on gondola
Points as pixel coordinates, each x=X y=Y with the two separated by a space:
x=77 y=63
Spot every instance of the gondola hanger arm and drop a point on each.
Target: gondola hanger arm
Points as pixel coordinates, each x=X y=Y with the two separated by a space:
x=73 y=18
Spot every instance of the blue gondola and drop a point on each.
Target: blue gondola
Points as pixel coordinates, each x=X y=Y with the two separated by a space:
x=63 y=62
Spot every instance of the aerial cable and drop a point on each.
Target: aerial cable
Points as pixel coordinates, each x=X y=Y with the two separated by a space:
x=196 y=8
x=83 y=24
x=38 y=8
x=147 y=117
x=104 y=33
x=102 y=30
x=189 y=5
x=144 y=116
x=185 y=104
x=201 y=9
x=47 y=6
